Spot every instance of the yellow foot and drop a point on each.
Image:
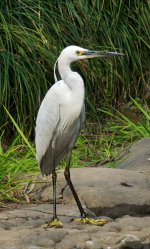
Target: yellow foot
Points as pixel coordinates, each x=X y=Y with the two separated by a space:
x=54 y=223
x=97 y=222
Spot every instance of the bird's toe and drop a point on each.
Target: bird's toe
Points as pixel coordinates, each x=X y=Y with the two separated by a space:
x=100 y=221
x=55 y=223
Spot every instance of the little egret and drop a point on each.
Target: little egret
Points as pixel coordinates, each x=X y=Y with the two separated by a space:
x=60 y=119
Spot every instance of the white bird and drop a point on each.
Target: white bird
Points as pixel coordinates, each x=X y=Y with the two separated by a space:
x=60 y=119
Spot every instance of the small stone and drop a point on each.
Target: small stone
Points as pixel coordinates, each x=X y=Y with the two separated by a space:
x=89 y=244
x=46 y=243
x=57 y=235
x=130 y=242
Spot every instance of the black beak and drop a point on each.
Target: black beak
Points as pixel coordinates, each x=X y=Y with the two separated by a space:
x=92 y=53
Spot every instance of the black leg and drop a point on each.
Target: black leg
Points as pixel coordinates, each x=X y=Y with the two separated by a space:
x=54 y=178
x=55 y=221
x=84 y=219
x=67 y=177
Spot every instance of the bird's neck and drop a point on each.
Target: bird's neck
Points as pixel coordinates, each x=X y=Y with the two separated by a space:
x=72 y=79
x=74 y=82
x=64 y=68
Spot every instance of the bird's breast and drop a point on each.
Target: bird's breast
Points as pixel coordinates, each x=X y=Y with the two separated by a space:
x=70 y=111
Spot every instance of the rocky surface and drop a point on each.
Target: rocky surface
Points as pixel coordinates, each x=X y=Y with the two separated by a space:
x=123 y=194
x=21 y=228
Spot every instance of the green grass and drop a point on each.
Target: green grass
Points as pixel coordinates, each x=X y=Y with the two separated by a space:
x=34 y=32
x=17 y=164
x=138 y=127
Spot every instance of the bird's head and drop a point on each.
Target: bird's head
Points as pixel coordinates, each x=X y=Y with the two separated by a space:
x=75 y=53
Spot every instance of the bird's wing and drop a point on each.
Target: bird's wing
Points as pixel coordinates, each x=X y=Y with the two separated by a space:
x=47 y=119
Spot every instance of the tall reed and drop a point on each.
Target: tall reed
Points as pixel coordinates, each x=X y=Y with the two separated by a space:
x=32 y=33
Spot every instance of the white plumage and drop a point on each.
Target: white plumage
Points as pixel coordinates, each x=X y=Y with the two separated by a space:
x=60 y=107
x=61 y=113
x=60 y=119
x=60 y=103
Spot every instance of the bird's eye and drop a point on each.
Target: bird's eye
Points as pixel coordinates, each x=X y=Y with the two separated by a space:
x=78 y=52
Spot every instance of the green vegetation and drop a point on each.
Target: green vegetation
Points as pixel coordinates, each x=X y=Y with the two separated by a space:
x=32 y=33
x=18 y=159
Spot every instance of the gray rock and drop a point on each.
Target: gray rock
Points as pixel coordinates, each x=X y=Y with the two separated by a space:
x=111 y=192
x=138 y=157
